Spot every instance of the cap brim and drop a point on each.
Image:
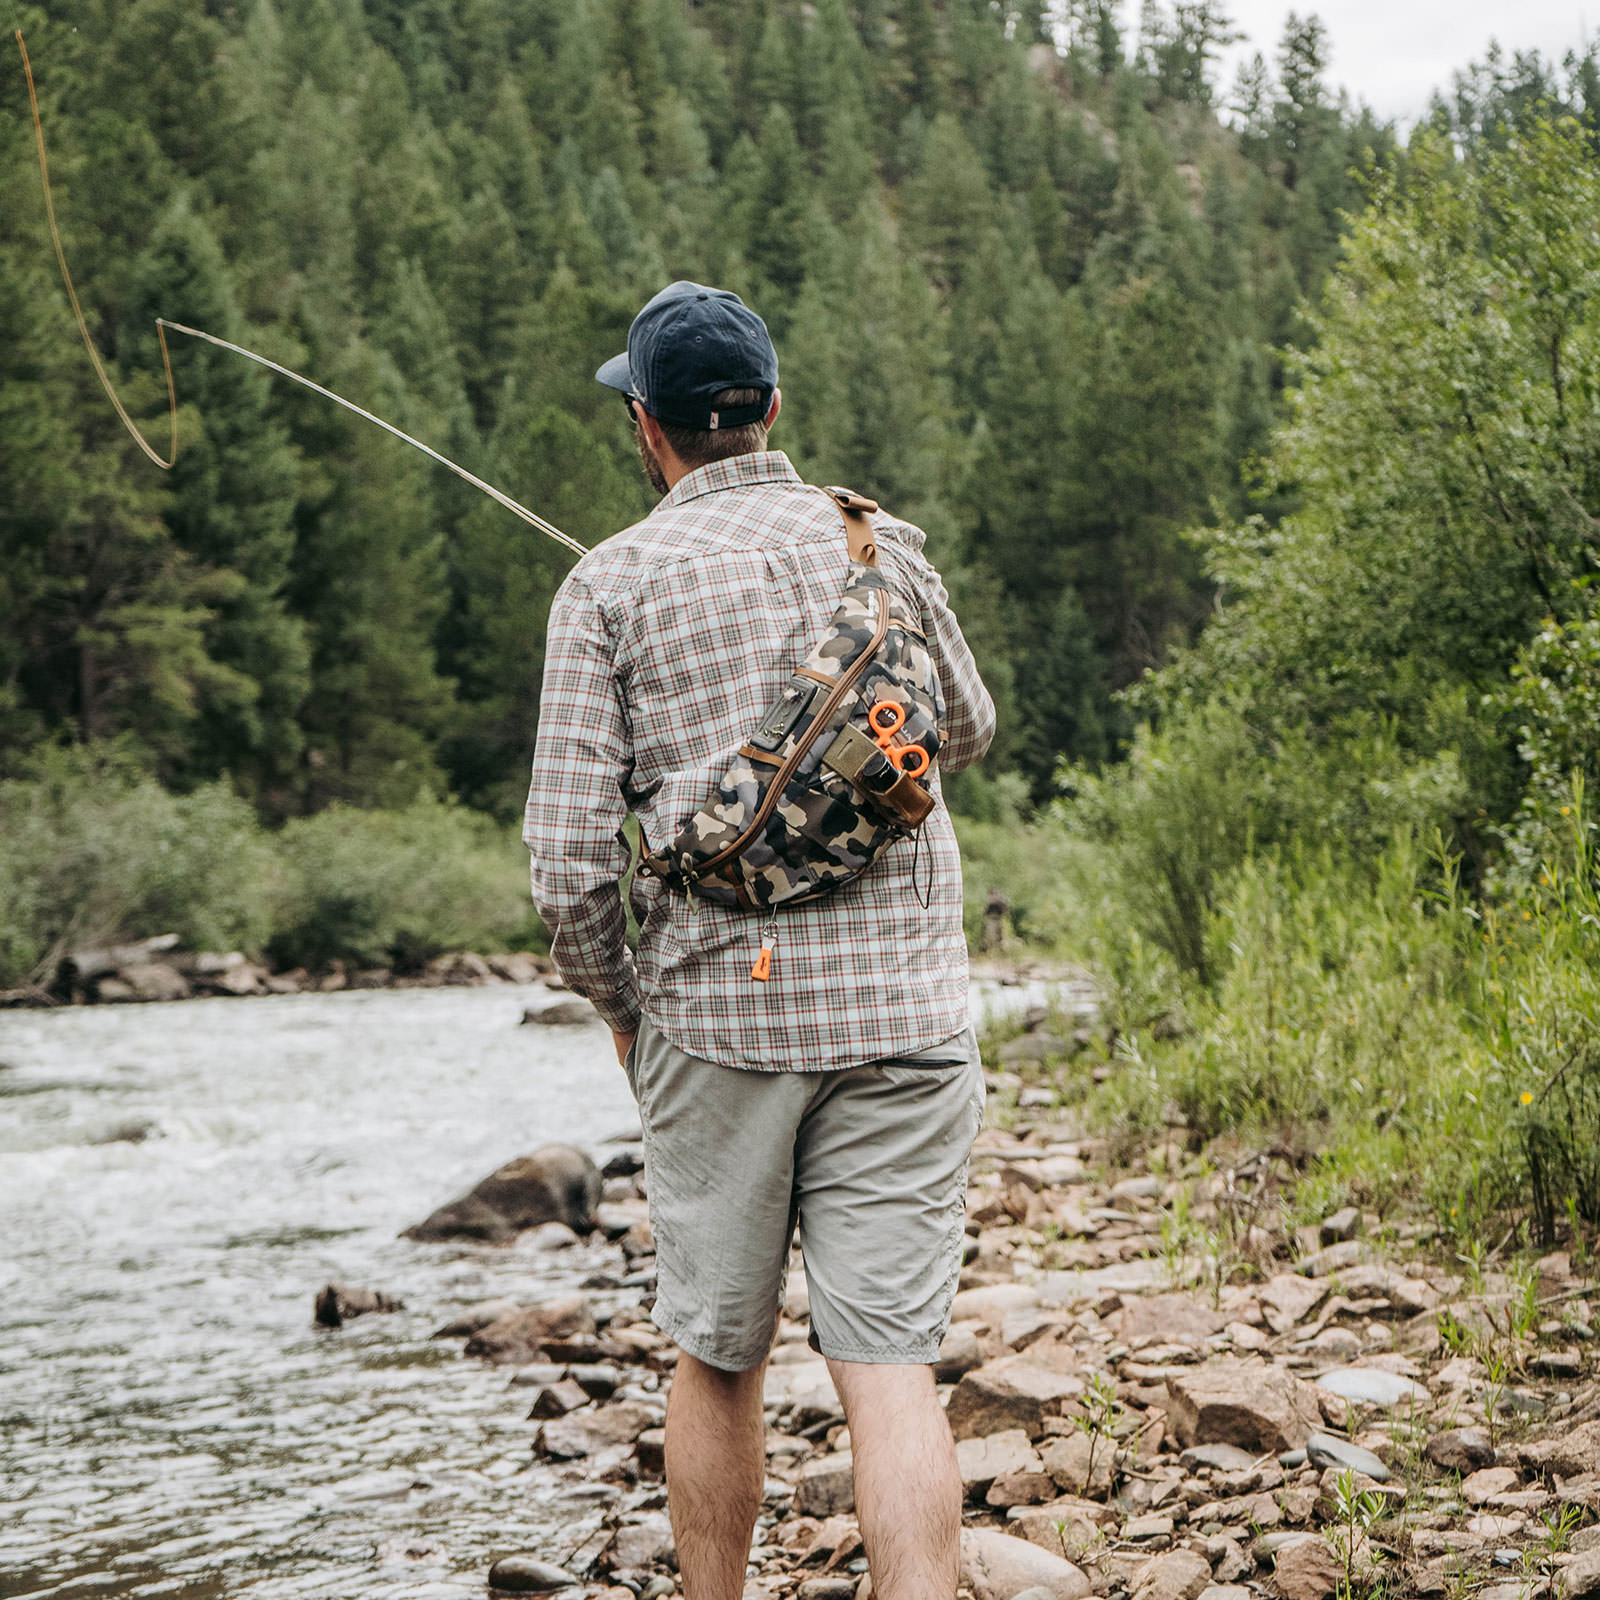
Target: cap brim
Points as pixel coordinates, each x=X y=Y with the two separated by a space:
x=617 y=374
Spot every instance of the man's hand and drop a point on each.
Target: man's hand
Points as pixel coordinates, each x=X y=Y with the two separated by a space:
x=624 y=1043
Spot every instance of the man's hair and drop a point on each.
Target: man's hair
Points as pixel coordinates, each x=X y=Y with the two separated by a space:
x=699 y=447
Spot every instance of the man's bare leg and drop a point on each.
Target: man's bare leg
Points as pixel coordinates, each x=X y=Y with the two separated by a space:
x=908 y=1487
x=716 y=1460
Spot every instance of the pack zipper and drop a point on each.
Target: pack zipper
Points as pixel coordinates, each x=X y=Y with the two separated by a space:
x=847 y=681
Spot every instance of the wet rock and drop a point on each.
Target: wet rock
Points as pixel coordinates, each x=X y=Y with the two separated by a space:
x=1460 y=1450
x=995 y=1566
x=135 y=1130
x=617 y=1218
x=1178 y=1575
x=826 y=1486
x=623 y=1164
x=563 y=1014
x=584 y=1433
x=1371 y=1387
x=1245 y=1403
x=552 y=1236
x=983 y=1460
x=474 y=1317
x=557 y=1183
x=142 y=981
x=1571 y=1453
x=1012 y=1392
x=597 y=1381
x=517 y=1338
x=557 y=1399
x=458 y=969
x=1342 y=1226
x=1307 y=1570
x=528 y=1575
x=225 y=972
x=518 y=966
x=337 y=1303
x=1323 y=1450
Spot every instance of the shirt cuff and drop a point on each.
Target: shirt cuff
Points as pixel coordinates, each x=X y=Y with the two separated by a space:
x=621 y=1011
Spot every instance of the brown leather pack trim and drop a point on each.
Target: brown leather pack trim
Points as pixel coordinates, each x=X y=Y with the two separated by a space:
x=858 y=531
x=765 y=757
x=908 y=799
x=819 y=720
x=815 y=677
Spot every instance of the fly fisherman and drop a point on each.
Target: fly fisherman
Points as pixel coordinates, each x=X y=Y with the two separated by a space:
x=812 y=1065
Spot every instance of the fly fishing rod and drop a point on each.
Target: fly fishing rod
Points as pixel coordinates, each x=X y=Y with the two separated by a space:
x=533 y=519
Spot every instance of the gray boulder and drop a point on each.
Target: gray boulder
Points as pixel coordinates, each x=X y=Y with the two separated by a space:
x=557 y=1183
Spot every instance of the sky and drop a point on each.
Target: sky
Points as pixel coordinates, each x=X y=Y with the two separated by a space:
x=1394 y=53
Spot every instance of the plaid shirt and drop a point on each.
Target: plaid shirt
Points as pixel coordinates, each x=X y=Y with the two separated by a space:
x=667 y=645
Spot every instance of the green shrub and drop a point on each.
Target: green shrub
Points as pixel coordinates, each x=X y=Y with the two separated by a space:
x=1026 y=861
x=381 y=888
x=95 y=851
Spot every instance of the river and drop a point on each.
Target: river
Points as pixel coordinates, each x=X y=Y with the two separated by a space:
x=176 y=1182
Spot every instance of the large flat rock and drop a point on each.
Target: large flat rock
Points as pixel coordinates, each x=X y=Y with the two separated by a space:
x=1250 y=1404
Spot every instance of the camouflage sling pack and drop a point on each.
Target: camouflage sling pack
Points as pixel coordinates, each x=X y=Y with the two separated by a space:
x=837 y=770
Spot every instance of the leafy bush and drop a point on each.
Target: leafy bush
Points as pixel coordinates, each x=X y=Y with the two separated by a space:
x=379 y=888
x=96 y=851
x=1025 y=861
x=1198 y=795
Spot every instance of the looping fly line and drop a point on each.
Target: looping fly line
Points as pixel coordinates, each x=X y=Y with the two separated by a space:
x=163 y=323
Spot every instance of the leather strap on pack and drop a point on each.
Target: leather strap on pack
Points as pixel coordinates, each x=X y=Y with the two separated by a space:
x=857 y=530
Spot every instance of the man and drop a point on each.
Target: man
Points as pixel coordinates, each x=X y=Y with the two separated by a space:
x=844 y=1092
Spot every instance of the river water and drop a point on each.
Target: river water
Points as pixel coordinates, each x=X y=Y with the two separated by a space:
x=176 y=1182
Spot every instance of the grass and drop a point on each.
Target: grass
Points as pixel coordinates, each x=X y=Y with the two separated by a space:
x=1393 y=1041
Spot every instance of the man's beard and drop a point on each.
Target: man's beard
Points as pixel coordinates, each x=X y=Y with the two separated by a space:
x=648 y=460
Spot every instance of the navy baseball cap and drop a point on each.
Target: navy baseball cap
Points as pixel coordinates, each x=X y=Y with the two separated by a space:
x=687 y=345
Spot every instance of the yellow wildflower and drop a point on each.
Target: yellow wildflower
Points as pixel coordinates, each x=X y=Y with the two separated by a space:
x=1527 y=1097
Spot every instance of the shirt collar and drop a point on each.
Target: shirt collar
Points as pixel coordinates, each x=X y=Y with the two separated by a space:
x=737 y=472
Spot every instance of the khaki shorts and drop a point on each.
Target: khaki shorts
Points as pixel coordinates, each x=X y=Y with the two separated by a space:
x=872 y=1163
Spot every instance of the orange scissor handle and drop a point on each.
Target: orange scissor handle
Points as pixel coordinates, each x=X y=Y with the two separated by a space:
x=887 y=718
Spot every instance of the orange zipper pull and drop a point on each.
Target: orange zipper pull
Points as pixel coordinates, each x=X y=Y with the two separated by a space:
x=762 y=970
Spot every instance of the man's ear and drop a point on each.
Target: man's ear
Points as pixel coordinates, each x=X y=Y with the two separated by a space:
x=651 y=429
x=774 y=408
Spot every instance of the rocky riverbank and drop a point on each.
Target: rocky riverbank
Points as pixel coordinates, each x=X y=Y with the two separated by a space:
x=157 y=969
x=1159 y=1387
